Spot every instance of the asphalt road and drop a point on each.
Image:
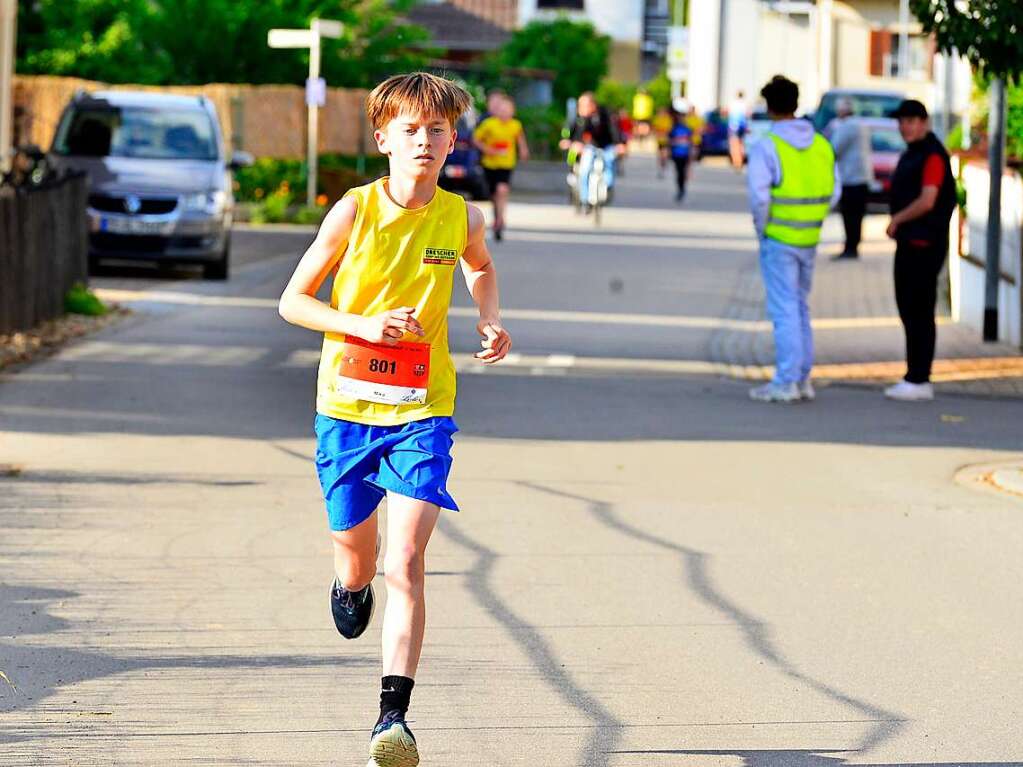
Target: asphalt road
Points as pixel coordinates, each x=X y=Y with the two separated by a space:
x=649 y=569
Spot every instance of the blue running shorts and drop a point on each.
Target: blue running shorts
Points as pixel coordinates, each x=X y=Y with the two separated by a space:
x=357 y=464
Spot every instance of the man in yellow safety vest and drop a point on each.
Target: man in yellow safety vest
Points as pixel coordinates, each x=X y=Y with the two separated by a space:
x=793 y=184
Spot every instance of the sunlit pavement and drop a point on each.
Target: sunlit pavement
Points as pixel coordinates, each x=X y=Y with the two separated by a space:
x=649 y=569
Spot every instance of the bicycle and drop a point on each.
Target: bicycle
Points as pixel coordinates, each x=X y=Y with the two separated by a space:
x=596 y=196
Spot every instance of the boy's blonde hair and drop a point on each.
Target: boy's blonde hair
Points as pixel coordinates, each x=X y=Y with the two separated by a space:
x=417 y=93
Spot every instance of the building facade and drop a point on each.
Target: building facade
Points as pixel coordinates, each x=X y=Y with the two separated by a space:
x=864 y=44
x=468 y=29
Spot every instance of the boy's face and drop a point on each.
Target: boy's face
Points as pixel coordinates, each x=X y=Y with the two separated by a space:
x=416 y=144
x=504 y=109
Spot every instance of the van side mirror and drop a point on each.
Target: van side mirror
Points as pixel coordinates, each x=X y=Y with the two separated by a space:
x=240 y=160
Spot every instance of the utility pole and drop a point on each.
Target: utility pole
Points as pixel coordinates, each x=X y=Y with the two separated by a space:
x=8 y=29
x=315 y=87
x=996 y=164
x=722 y=40
x=904 y=39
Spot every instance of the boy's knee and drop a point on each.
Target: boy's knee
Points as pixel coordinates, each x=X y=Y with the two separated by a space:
x=354 y=569
x=354 y=574
x=405 y=568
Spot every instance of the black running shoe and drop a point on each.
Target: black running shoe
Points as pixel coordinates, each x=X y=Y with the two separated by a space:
x=392 y=743
x=352 y=610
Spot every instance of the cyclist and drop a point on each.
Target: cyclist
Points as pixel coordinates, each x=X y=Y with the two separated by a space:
x=594 y=129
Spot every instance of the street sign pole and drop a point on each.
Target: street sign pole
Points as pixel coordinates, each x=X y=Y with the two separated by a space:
x=8 y=20
x=315 y=90
x=312 y=151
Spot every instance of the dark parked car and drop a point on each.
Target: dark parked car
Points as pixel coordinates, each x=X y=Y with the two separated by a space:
x=865 y=103
x=886 y=145
x=715 y=134
x=462 y=170
x=160 y=185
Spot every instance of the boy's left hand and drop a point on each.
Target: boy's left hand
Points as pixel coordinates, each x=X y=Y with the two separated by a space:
x=496 y=342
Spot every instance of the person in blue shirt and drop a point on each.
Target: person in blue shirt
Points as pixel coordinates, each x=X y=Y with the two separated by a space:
x=682 y=146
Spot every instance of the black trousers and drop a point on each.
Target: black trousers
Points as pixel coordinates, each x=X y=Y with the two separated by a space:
x=853 y=206
x=681 y=172
x=916 y=294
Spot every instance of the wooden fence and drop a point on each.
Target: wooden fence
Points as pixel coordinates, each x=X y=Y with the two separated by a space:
x=43 y=250
x=266 y=120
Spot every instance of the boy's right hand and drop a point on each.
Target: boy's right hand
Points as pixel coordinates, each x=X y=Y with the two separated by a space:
x=388 y=327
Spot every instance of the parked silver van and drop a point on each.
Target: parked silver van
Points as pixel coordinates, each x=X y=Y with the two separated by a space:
x=160 y=186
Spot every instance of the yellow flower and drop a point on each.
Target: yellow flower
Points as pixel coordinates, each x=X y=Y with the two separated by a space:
x=258 y=193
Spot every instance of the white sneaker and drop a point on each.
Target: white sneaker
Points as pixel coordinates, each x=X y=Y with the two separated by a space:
x=775 y=392
x=806 y=390
x=910 y=392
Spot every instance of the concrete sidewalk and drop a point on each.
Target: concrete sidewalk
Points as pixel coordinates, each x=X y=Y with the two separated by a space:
x=856 y=328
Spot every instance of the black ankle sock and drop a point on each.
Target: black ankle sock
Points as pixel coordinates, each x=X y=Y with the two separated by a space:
x=395 y=692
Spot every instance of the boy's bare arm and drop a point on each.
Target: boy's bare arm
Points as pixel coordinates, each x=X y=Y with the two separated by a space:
x=523 y=147
x=300 y=306
x=481 y=280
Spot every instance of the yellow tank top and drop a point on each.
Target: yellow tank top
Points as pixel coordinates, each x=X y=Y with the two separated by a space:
x=397 y=257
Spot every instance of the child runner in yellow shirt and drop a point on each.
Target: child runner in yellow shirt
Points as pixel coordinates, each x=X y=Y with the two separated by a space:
x=498 y=137
x=386 y=383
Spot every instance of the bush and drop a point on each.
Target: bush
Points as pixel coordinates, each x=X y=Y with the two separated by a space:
x=256 y=182
x=309 y=214
x=543 y=129
x=273 y=209
x=659 y=89
x=615 y=95
x=574 y=50
x=81 y=300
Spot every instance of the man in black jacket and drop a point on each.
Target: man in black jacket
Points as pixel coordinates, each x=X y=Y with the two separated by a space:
x=922 y=200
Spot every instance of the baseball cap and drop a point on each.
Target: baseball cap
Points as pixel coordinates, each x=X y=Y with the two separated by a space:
x=910 y=108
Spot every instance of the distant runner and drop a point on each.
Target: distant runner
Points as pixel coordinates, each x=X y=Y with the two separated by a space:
x=502 y=141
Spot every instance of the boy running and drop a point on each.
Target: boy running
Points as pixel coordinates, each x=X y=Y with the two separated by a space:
x=386 y=383
x=682 y=149
x=498 y=137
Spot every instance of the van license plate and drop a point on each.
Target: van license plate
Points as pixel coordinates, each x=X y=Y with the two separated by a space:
x=133 y=226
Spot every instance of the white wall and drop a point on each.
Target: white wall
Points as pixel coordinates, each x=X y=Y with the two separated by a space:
x=968 y=286
x=621 y=20
x=703 y=54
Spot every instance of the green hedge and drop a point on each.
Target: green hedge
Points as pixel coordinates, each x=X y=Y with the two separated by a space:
x=287 y=178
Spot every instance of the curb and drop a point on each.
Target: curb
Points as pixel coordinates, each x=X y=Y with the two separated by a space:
x=1001 y=478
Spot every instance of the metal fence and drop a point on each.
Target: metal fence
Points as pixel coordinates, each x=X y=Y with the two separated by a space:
x=43 y=250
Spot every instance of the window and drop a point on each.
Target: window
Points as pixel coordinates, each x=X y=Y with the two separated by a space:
x=885 y=55
x=575 y=4
x=159 y=134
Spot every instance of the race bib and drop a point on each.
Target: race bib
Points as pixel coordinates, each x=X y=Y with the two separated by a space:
x=389 y=375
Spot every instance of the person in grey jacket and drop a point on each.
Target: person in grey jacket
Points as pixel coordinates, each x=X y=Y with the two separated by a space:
x=793 y=182
x=851 y=141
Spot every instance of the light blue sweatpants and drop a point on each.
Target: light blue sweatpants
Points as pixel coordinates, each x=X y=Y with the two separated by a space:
x=788 y=275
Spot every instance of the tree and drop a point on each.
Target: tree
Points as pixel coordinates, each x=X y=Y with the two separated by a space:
x=989 y=33
x=572 y=49
x=180 y=42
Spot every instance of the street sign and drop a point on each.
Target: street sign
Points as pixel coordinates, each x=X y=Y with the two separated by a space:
x=315 y=92
x=678 y=54
x=315 y=86
x=291 y=38
x=328 y=27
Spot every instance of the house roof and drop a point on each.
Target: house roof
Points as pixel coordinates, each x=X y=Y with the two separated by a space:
x=467 y=25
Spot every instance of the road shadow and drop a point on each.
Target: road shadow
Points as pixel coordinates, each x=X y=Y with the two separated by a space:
x=39 y=656
x=479 y=583
x=882 y=725
x=802 y=758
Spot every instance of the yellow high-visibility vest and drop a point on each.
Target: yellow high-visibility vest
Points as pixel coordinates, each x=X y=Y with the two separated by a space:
x=800 y=203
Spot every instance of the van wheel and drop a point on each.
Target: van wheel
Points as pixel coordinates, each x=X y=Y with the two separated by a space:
x=218 y=270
